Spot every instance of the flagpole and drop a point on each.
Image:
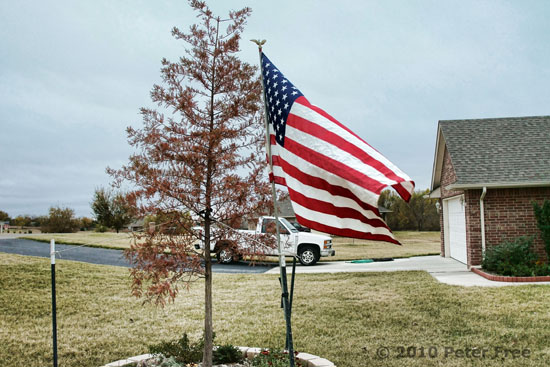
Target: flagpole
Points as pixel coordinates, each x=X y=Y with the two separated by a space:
x=282 y=260
x=54 y=308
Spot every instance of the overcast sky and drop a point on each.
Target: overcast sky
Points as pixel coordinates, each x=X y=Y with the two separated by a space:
x=73 y=75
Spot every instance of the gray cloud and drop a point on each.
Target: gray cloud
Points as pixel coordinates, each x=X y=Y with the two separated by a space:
x=74 y=74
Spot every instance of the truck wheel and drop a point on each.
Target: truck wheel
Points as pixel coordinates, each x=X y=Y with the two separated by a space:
x=225 y=255
x=308 y=255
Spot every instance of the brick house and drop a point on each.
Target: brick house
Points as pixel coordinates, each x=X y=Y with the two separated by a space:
x=486 y=174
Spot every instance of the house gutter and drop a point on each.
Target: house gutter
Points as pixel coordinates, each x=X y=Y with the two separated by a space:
x=482 y=217
x=498 y=185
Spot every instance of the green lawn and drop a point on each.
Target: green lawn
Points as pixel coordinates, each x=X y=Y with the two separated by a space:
x=413 y=244
x=343 y=317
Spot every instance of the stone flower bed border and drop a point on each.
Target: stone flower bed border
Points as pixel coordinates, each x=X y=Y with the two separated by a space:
x=307 y=359
x=502 y=278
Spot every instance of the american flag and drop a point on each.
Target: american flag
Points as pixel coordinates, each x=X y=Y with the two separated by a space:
x=333 y=177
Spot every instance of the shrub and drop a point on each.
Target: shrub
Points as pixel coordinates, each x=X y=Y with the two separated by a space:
x=513 y=258
x=542 y=269
x=184 y=352
x=542 y=213
x=101 y=229
x=181 y=350
x=227 y=354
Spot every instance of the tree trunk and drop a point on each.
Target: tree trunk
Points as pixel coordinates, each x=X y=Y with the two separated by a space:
x=208 y=342
x=208 y=333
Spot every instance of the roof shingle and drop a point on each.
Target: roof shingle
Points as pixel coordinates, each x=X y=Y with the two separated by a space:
x=499 y=150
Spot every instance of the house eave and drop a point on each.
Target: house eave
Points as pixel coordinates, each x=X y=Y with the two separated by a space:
x=497 y=185
x=434 y=194
x=438 y=159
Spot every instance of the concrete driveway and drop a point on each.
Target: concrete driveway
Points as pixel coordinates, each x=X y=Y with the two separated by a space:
x=445 y=270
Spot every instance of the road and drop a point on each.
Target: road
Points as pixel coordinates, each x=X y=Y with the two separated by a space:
x=103 y=256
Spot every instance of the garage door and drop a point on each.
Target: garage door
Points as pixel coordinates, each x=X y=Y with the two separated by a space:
x=457 y=229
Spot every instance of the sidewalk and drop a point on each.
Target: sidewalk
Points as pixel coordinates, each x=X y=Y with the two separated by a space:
x=445 y=270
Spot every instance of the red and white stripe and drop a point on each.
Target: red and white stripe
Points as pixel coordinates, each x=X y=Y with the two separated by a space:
x=334 y=178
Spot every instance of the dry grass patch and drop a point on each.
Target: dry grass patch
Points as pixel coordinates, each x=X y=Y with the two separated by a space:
x=93 y=239
x=413 y=244
x=343 y=317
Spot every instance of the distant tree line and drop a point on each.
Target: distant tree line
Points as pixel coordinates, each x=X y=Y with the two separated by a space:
x=420 y=214
x=58 y=220
x=111 y=210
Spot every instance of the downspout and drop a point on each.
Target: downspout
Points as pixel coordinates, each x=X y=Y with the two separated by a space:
x=482 y=217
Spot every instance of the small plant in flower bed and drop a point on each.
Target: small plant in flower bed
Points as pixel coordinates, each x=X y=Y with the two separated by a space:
x=182 y=353
x=514 y=258
x=273 y=358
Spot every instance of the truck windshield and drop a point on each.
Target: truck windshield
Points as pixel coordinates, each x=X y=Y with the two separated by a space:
x=268 y=226
x=287 y=224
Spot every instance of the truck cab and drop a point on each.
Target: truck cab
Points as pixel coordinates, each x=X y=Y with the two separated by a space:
x=307 y=247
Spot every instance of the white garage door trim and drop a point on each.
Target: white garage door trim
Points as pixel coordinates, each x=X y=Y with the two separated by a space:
x=455 y=228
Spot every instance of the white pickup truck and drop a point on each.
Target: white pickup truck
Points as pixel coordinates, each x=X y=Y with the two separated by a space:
x=308 y=247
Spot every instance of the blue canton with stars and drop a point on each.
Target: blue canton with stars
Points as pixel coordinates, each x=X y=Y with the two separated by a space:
x=279 y=96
